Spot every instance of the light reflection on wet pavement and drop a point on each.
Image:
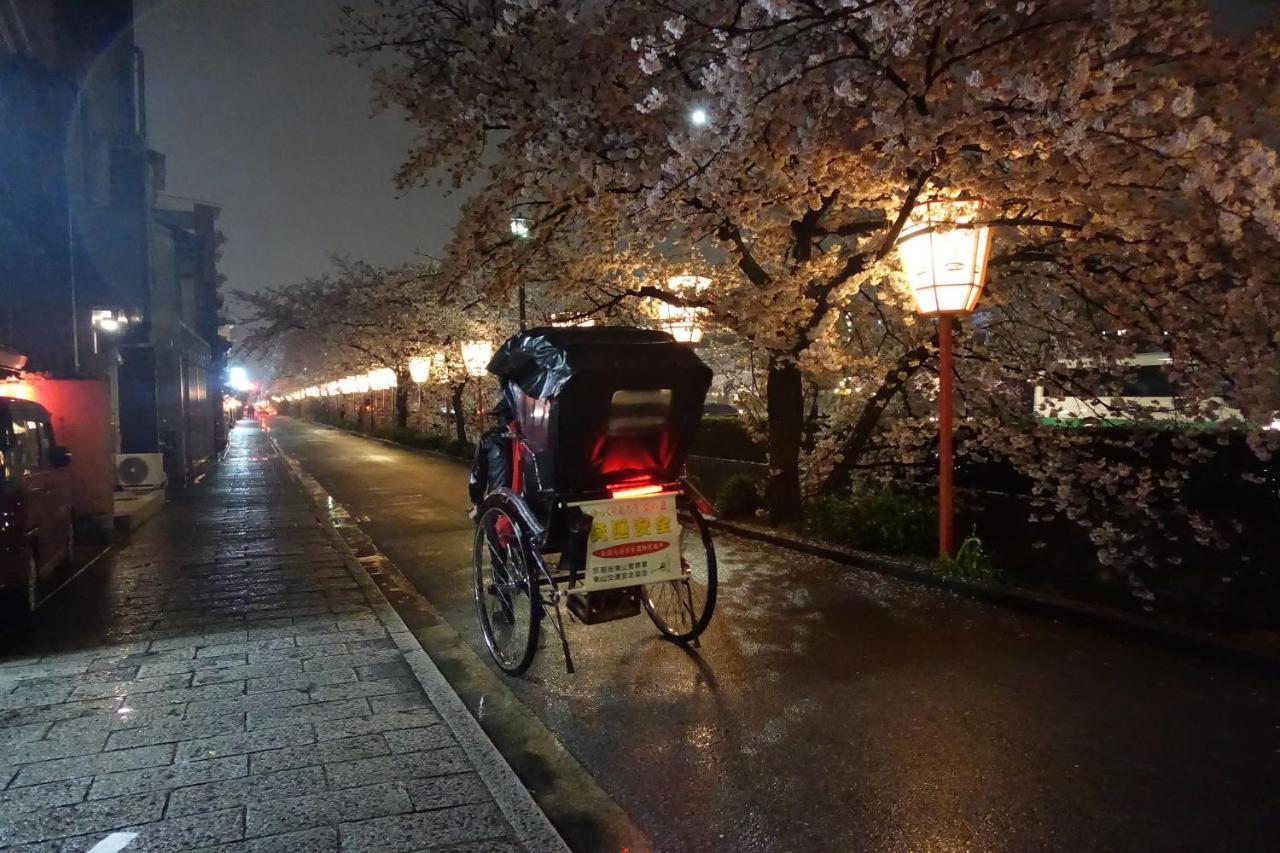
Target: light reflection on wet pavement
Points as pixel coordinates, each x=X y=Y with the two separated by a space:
x=831 y=709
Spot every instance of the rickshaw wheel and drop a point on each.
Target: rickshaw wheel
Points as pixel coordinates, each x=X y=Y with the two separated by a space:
x=506 y=594
x=682 y=608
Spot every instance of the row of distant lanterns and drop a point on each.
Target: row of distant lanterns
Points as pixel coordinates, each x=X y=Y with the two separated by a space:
x=475 y=360
x=683 y=323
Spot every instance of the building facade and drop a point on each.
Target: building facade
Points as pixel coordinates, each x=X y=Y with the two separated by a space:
x=101 y=275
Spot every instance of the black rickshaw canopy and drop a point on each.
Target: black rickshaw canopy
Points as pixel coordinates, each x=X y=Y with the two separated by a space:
x=603 y=405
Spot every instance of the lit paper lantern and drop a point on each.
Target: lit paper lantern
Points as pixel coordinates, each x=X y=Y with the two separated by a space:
x=476 y=356
x=681 y=322
x=420 y=369
x=944 y=255
x=382 y=379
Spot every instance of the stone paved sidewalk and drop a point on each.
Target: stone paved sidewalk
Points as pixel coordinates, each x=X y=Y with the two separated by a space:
x=232 y=681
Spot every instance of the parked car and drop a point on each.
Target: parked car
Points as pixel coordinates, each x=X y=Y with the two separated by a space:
x=36 y=535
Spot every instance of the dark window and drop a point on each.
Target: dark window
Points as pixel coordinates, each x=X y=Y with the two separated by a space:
x=634 y=412
x=1148 y=381
x=30 y=452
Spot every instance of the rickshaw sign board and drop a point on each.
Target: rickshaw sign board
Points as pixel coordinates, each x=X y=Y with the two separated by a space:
x=633 y=541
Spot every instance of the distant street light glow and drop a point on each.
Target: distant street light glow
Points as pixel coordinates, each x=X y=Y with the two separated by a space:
x=698 y=117
x=521 y=227
x=238 y=379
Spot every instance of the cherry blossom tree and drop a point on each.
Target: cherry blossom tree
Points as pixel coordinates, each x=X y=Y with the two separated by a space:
x=1116 y=146
x=359 y=317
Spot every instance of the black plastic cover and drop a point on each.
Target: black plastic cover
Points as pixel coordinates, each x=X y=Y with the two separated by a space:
x=541 y=361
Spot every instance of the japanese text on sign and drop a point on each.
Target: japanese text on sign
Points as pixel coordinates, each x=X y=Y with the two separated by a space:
x=632 y=542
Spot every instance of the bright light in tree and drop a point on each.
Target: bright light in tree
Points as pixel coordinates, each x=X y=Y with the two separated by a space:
x=683 y=323
x=698 y=117
x=521 y=227
x=238 y=379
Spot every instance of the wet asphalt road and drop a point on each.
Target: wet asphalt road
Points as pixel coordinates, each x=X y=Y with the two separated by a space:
x=832 y=709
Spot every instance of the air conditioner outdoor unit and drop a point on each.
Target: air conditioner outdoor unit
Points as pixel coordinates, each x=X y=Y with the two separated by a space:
x=140 y=470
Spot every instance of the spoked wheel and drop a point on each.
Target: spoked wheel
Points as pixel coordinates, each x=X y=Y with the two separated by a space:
x=506 y=594
x=682 y=608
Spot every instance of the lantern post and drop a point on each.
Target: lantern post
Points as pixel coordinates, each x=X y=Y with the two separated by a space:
x=420 y=372
x=521 y=229
x=944 y=249
x=475 y=358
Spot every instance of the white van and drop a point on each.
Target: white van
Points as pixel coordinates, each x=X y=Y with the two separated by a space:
x=1087 y=395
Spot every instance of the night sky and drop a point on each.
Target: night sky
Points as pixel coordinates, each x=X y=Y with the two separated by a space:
x=254 y=113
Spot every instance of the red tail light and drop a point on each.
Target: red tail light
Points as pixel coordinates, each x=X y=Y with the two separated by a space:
x=625 y=491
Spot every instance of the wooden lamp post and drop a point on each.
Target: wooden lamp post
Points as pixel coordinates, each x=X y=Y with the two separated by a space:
x=944 y=248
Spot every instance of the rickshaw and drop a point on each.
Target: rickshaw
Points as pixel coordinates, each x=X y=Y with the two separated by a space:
x=596 y=514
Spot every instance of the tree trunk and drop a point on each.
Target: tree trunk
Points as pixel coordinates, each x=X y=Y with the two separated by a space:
x=402 y=401
x=459 y=416
x=785 y=401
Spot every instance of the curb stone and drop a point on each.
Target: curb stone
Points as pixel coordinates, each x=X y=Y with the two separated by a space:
x=1056 y=607
x=533 y=830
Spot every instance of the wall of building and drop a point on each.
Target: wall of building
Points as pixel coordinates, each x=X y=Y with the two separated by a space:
x=81 y=229
x=73 y=164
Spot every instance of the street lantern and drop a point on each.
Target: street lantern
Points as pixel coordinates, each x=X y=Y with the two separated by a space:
x=476 y=356
x=521 y=229
x=681 y=322
x=382 y=379
x=944 y=249
x=420 y=369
